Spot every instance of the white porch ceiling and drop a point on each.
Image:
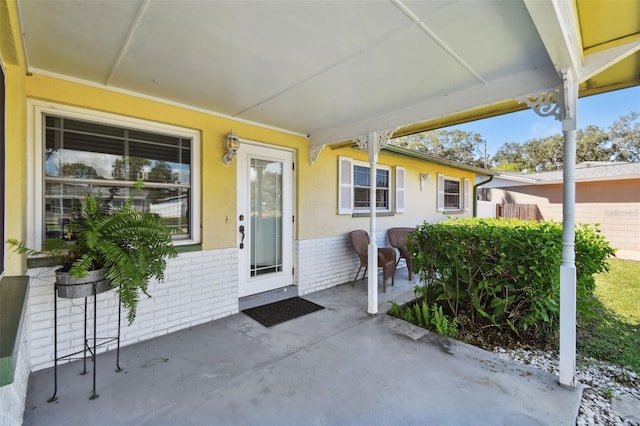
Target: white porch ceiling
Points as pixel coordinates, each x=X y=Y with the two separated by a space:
x=329 y=69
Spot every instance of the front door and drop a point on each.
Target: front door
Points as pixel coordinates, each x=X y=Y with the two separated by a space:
x=265 y=218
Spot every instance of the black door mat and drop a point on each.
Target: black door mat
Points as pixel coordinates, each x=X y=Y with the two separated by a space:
x=284 y=310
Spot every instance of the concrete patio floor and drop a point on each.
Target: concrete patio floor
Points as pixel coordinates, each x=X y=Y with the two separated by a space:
x=337 y=366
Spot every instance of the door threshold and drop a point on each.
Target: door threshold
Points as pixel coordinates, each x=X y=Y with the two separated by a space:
x=267 y=297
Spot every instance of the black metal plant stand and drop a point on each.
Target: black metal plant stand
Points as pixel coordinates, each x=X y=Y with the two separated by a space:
x=87 y=347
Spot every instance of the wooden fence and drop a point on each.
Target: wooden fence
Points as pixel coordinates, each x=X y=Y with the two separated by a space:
x=520 y=211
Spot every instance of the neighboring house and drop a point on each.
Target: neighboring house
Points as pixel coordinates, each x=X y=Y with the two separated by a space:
x=607 y=193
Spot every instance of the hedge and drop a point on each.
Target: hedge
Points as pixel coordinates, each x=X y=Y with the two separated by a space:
x=503 y=273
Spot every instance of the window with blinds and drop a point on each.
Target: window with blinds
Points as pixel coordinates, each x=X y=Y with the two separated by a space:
x=354 y=186
x=83 y=157
x=453 y=194
x=362 y=187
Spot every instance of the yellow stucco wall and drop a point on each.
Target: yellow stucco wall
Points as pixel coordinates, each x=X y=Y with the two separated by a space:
x=16 y=165
x=15 y=132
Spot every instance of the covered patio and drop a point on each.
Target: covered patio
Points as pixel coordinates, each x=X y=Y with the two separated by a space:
x=337 y=366
x=313 y=82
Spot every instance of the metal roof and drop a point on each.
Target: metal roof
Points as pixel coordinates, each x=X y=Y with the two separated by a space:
x=589 y=171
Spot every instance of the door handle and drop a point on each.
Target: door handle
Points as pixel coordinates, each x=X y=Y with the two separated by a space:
x=241 y=229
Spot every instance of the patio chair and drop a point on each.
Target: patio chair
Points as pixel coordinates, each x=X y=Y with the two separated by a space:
x=386 y=257
x=398 y=240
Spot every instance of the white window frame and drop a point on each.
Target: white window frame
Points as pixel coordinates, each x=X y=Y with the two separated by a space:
x=463 y=194
x=389 y=188
x=346 y=184
x=467 y=194
x=35 y=148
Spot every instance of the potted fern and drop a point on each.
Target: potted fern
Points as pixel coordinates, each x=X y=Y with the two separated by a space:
x=121 y=249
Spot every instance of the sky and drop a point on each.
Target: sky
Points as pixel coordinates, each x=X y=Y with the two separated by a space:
x=598 y=110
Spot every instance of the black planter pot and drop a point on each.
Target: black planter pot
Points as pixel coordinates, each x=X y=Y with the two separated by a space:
x=70 y=287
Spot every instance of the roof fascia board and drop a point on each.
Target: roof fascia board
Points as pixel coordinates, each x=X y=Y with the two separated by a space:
x=426 y=157
x=557 y=24
x=588 y=179
x=536 y=181
x=515 y=86
x=516 y=178
x=606 y=178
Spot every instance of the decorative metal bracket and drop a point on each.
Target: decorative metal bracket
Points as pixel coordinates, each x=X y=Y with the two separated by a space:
x=383 y=137
x=362 y=142
x=546 y=104
x=314 y=153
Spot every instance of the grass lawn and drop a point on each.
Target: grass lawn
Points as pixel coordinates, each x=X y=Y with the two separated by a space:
x=611 y=330
x=619 y=289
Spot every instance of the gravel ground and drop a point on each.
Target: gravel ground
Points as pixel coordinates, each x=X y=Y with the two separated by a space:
x=608 y=388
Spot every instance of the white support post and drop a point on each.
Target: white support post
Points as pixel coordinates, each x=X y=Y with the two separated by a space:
x=568 y=267
x=373 y=247
x=562 y=104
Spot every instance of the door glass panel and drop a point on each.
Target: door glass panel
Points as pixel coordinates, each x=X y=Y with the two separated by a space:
x=266 y=216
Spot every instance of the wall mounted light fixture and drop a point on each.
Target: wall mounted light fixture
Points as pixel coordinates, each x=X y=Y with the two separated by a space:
x=424 y=177
x=231 y=145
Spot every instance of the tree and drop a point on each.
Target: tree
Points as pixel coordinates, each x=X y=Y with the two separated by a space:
x=621 y=142
x=129 y=168
x=79 y=170
x=593 y=144
x=161 y=172
x=510 y=156
x=625 y=137
x=545 y=154
x=455 y=145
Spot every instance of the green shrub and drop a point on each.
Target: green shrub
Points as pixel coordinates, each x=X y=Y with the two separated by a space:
x=592 y=251
x=441 y=322
x=503 y=273
x=432 y=318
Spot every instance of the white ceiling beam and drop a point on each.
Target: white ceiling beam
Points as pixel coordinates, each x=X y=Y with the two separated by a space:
x=440 y=105
x=600 y=61
x=409 y=13
x=557 y=25
x=125 y=43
